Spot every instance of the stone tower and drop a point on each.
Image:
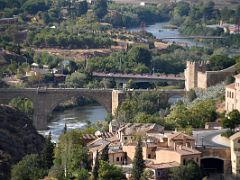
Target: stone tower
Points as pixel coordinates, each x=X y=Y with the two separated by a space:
x=190 y=74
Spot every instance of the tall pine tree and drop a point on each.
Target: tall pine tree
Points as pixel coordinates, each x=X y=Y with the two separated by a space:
x=104 y=155
x=47 y=154
x=138 y=162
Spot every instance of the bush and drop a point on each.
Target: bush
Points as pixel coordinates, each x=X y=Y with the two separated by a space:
x=227 y=133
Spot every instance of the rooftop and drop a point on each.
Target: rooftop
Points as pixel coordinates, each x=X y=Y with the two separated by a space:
x=179 y=136
x=141 y=128
x=183 y=150
x=163 y=165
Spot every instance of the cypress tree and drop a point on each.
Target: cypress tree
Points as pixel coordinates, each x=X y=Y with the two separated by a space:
x=95 y=168
x=104 y=155
x=65 y=129
x=138 y=162
x=47 y=154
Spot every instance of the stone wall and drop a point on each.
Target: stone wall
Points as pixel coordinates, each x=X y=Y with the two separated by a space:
x=196 y=75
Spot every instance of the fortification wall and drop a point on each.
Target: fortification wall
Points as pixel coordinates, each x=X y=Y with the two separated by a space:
x=197 y=77
x=202 y=80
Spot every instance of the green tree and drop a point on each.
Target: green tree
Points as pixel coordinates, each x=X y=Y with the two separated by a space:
x=110 y=172
x=100 y=8
x=29 y=168
x=47 y=154
x=32 y=6
x=104 y=154
x=231 y=120
x=95 y=167
x=191 y=171
x=70 y=154
x=139 y=55
x=23 y=104
x=81 y=8
x=81 y=174
x=138 y=162
x=75 y=80
x=219 y=62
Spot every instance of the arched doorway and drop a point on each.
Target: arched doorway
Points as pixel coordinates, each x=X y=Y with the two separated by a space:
x=212 y=165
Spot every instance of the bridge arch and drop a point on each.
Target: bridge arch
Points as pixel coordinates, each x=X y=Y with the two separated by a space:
x=68 y=97
x=173 y=99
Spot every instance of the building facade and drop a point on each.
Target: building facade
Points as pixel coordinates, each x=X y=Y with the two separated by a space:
x=232 y=95
x=235 y=153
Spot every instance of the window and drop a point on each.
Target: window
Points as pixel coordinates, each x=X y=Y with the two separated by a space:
x=238 y=140
x=149 y=156
x=184 y=161
x=125 y=138
x=159 y=173
x=117 y=159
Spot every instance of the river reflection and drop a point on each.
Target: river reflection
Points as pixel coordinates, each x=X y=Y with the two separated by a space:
x=75 y=118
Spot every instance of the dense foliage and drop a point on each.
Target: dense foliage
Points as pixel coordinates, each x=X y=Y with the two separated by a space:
x=141 y=108
x=231 y=120
x=111 y=172
x=190 y=171
x=70 y=156
x=23 y=104
x=195 y=116
x=35 y=166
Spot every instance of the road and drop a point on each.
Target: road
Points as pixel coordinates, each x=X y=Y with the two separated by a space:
x=204 y=137
x=139 y=76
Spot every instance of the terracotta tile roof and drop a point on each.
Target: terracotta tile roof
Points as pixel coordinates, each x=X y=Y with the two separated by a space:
x=183 y=150
x=179 y=136
x=163 y=165
x=140 y=128
x=89 y=137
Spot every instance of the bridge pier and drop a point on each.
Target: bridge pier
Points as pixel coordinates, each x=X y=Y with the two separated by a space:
x=40 y=121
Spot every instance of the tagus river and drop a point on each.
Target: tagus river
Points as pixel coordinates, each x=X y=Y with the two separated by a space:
x=75 y=118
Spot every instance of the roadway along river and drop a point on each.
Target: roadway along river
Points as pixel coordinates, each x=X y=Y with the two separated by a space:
x=75 y=118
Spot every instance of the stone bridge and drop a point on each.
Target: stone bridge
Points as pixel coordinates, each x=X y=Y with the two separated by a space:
x=45 y=100
x=138 y=78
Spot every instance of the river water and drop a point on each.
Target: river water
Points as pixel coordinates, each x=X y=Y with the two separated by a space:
x=159 y=31
x=75 y=118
